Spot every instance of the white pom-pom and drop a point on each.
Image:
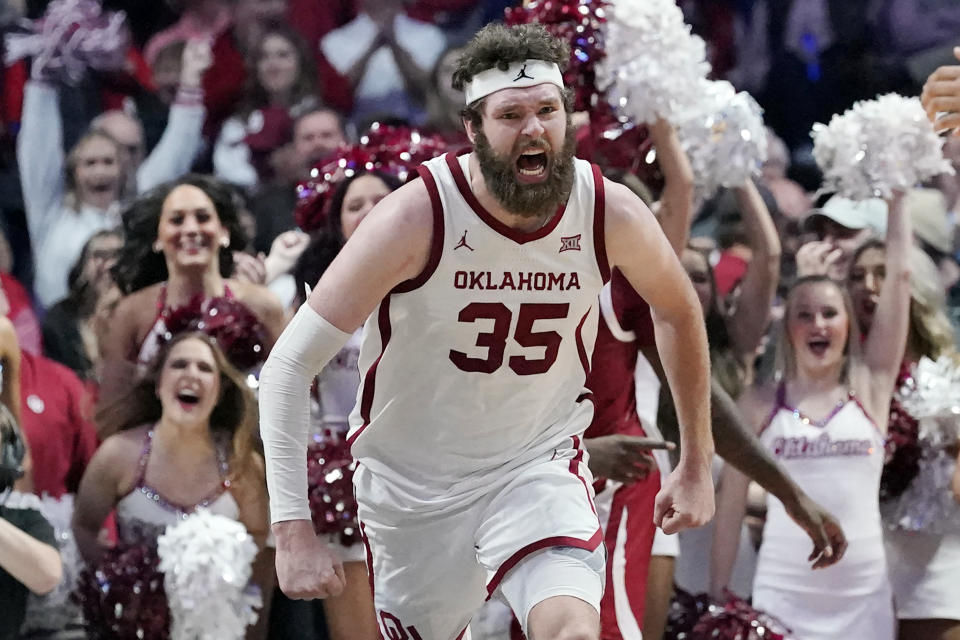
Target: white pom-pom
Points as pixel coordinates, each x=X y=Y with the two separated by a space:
x=878 y=146
x=723 y=136
x=206 y=560
x=652 y=62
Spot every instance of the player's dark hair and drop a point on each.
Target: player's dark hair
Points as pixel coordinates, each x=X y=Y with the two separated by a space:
x=497 y=45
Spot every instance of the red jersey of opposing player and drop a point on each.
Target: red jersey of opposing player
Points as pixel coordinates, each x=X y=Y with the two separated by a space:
x=625 y=327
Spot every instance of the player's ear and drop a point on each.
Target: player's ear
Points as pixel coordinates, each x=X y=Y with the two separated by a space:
x=469 y=128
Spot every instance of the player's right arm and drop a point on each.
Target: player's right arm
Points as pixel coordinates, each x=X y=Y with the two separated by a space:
x=390 y=246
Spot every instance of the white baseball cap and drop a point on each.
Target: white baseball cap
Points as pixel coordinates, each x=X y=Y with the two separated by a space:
x=852 y=214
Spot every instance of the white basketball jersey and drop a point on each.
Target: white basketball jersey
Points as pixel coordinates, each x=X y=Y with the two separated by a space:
x=478 y=365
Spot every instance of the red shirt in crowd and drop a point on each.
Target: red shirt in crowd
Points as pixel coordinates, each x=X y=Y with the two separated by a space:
x=55 y=410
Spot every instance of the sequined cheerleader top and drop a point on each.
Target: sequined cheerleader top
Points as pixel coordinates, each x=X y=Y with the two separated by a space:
x=144 y=513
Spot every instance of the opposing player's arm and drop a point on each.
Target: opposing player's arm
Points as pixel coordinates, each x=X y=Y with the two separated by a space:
x=636 y=245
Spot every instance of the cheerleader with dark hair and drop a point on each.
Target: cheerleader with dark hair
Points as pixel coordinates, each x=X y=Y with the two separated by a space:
x=178 y=249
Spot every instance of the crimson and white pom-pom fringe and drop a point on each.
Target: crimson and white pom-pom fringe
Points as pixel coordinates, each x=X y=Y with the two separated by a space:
x=71 y=37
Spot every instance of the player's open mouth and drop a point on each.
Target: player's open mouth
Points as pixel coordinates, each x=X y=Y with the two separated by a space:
x=532 y=163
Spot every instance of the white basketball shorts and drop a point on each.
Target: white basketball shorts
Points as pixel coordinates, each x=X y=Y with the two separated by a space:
x=431 y=571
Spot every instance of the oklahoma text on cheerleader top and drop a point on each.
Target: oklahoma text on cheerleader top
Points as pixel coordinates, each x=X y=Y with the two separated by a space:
x=837 y=461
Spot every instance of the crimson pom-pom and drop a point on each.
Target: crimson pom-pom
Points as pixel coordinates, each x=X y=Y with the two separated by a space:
x=737 y=620
x=396 y=150
x=902 y=449
x=72 y=37
x=686 y=609
x=236 y=329
x=124 y=597
x=333 y=506
x=577 y=22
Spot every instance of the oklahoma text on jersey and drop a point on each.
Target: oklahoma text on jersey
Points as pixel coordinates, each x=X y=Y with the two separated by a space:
x=516 y=280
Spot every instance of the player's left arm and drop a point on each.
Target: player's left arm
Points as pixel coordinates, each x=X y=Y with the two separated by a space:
x=636 y=245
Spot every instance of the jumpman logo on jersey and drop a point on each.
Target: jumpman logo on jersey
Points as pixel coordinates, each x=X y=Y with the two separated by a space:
x=463 y=242
x=523 y=74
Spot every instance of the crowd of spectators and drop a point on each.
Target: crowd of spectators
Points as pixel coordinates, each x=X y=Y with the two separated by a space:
x=236 y=100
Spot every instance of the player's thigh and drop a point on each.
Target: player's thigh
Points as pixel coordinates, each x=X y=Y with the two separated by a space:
x=541 y=581
x=540 y=537
x=563 y=617
x=425 y=578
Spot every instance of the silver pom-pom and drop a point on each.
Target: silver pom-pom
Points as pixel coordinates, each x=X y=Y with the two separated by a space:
x=206 y=560
x=652 y=62
x=724 y=137
x=878 y=146
x=932 y=396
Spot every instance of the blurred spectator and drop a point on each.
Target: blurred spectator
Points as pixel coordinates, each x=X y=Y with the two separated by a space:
x=933 y=231
x=67 y=200
x=199 y=20
x=29 y=560
x=56 y=410
x=313 y=20
x=316 y=134
x=387 y=56
x=282 y=85
x=15 y=304
x=839 y=226
x=918 y=36
x=223 y=85
x=28 y=557
x=444 y=102
x=69 y=328
x=805 y=60
x=174 y=153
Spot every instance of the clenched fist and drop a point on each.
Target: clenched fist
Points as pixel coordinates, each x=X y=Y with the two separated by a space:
x=306 y=568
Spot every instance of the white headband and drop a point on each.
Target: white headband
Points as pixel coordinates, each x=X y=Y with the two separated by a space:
x=525 y=73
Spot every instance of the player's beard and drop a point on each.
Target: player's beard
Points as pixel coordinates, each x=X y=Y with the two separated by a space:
x=528 y=200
